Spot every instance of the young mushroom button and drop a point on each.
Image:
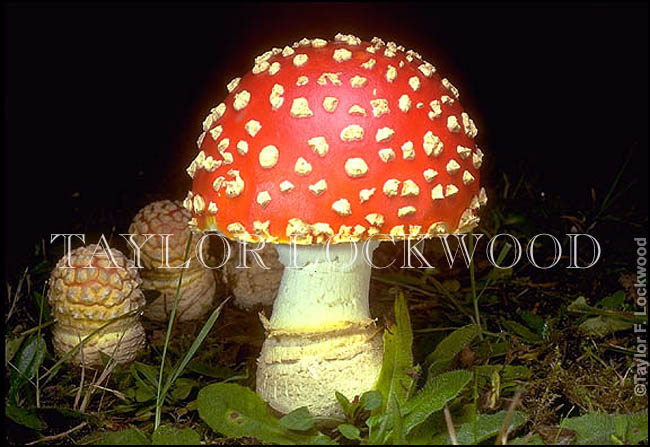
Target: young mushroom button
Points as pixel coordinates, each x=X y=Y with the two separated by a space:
x=97 y=301
x=347 y=140
x=198 y=287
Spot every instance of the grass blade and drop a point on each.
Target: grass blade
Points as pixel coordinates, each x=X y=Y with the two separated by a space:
x=207 y=327
x=160 y=397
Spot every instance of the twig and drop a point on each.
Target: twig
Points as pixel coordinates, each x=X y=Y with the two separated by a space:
x=91 y=387
x=21 y=373
x=561 y=427
x=450 y=426
x=38 y=336
x=60 y=435
x=15 y=295
x=103 y=378
x=83 y=403
x=81 y=381
x=112 y=363
x=472 y=279
x=37 y=328
x=110 y=390
x=502 y=439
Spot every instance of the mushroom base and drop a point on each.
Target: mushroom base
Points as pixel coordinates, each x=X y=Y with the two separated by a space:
x=122 y=345
x=196 y=295
x=307 y=369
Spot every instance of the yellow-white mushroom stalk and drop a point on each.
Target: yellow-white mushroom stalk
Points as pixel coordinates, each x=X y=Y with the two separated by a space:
x=321 y=329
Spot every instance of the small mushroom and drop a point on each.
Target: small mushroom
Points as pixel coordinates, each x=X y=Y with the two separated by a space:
x=254 y=285
x=89 y=295
x=198 y=288
x=352 y=141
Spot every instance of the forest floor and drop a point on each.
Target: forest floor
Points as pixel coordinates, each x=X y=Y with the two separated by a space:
x=554 y=344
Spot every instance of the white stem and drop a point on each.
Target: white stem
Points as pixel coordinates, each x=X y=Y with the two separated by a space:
x=320 y=339
x=320 y=292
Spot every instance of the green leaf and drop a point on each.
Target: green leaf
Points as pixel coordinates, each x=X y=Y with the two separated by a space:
x=579 y=305
x=299 y=419
x=321 y=439
x=145 y=375
x=375 y=420
x=28 y=360
x=144 y=394
x=31 y=356
x=441 y=359
x=529 y=439
x=613 y=301
x=399 y=436
x=207 y=370
x=604 y=325
x=423 y=433
x=440 y=366
x=522 y=332
x=370 y=400
x=130 y=436
x=349 y=432
x=12 y=345
x=533 y=321
x=25 y=416
x=182 y=388
x=455 y=342
x=168 y=435
x=379 y=425
x=344 y=403
x=394 y=378
x=508 y=373
x=604 y=429
x=236 y=411
x=436 y=393
x=604 y=320
x=486 y=426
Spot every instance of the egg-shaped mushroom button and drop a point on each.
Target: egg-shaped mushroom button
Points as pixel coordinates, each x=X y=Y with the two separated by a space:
x=167 y=222
x=94 y=296
x=341 y=141
x=255 y=284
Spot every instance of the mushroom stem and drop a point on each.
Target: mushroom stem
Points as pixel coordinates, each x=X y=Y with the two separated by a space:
x=321 y=338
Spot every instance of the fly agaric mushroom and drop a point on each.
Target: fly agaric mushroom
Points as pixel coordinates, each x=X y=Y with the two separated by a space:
x=255 y=284
x=340 y=140
x=89 y=295
x=198 y=285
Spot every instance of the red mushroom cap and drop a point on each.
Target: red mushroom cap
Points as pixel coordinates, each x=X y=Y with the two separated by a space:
x=346 y=139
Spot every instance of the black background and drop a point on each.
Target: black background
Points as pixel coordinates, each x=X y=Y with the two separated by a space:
x=103 y=103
